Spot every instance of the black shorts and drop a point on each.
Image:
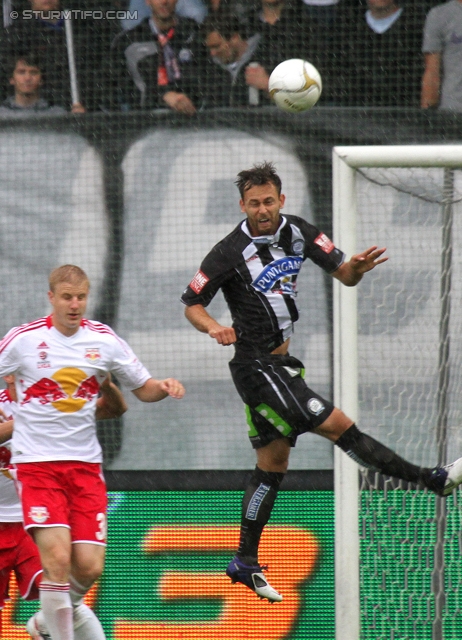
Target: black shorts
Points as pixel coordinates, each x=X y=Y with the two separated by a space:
x=278 y=402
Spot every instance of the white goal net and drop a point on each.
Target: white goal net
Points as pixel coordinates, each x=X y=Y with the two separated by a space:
x=398 y=368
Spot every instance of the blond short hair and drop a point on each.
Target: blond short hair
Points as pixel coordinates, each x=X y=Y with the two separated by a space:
x=67 y=273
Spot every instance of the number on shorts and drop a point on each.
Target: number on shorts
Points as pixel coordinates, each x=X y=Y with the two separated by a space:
x=102 y=533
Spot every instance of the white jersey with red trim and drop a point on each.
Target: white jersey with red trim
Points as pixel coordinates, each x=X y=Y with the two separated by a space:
x=10 y=507
x=57 y=383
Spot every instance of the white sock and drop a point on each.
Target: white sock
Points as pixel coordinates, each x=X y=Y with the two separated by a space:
x=57 y=610
x=86 y=624
x=76 y=591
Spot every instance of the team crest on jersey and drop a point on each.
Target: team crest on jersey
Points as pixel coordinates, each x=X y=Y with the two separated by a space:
x=315 y=406
x=297 y=247
x=92 y=354
x=324 y=243
x=278 y=276
x=198 y=282
x=39 y=514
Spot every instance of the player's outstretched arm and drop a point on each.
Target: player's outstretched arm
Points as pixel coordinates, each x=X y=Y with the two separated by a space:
x=351 y=272
x=111 y=403
x=155 y=390
x=203 y=322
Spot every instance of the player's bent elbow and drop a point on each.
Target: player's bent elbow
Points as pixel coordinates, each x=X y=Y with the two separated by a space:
x=107 y=410
x=119 y=411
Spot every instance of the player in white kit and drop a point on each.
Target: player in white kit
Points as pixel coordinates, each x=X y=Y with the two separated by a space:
x=18 y=552
x=60 y=362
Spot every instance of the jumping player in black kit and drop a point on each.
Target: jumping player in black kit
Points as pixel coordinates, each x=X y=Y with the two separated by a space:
x=256 y=266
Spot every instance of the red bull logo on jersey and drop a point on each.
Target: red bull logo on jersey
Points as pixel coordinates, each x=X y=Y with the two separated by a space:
x=87 y=389
x=68 y=390
x=92 y=354
x=45 y=391
x=39 y=514
x=278 y=276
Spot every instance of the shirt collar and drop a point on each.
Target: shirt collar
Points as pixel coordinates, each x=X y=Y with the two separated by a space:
x=264 y=240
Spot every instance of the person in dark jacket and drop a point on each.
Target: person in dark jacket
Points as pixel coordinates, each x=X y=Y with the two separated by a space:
x=380 y=59
x=238 y=69
x=156 y=64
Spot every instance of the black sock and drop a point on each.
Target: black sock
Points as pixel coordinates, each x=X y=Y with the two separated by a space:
x=371 y=454
x=257 y=505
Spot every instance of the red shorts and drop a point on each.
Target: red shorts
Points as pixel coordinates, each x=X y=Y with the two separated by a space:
x=18 y=553
x=69 y=494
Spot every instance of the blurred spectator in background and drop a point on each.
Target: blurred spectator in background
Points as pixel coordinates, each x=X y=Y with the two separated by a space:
x=379 y=61
x=194 y=9
x=278 y=22
x=197 y=10
x=241 y=9
x=442 y=47
x=44 y=35
x=156 y=64
x=26 y=80
x=287 y=34
x=237 y=73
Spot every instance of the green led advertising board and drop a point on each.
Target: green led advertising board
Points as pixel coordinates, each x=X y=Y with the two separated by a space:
x=164 y=577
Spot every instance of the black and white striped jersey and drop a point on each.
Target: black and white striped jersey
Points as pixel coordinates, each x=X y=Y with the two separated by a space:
x=258 y=277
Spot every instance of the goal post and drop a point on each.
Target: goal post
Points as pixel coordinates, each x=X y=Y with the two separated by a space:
x=345 y=396
x=419 y=174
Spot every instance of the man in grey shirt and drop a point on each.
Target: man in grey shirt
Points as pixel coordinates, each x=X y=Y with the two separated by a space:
x=442 y=46
x=26 y=79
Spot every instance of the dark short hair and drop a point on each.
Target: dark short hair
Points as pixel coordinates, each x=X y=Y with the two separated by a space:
x=258 y=175
x=29 y=59
x=226 y=24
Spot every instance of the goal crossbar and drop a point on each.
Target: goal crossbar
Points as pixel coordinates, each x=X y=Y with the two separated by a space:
x=401 y=156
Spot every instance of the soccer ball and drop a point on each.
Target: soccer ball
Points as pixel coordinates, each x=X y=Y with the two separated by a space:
x=295 y=85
